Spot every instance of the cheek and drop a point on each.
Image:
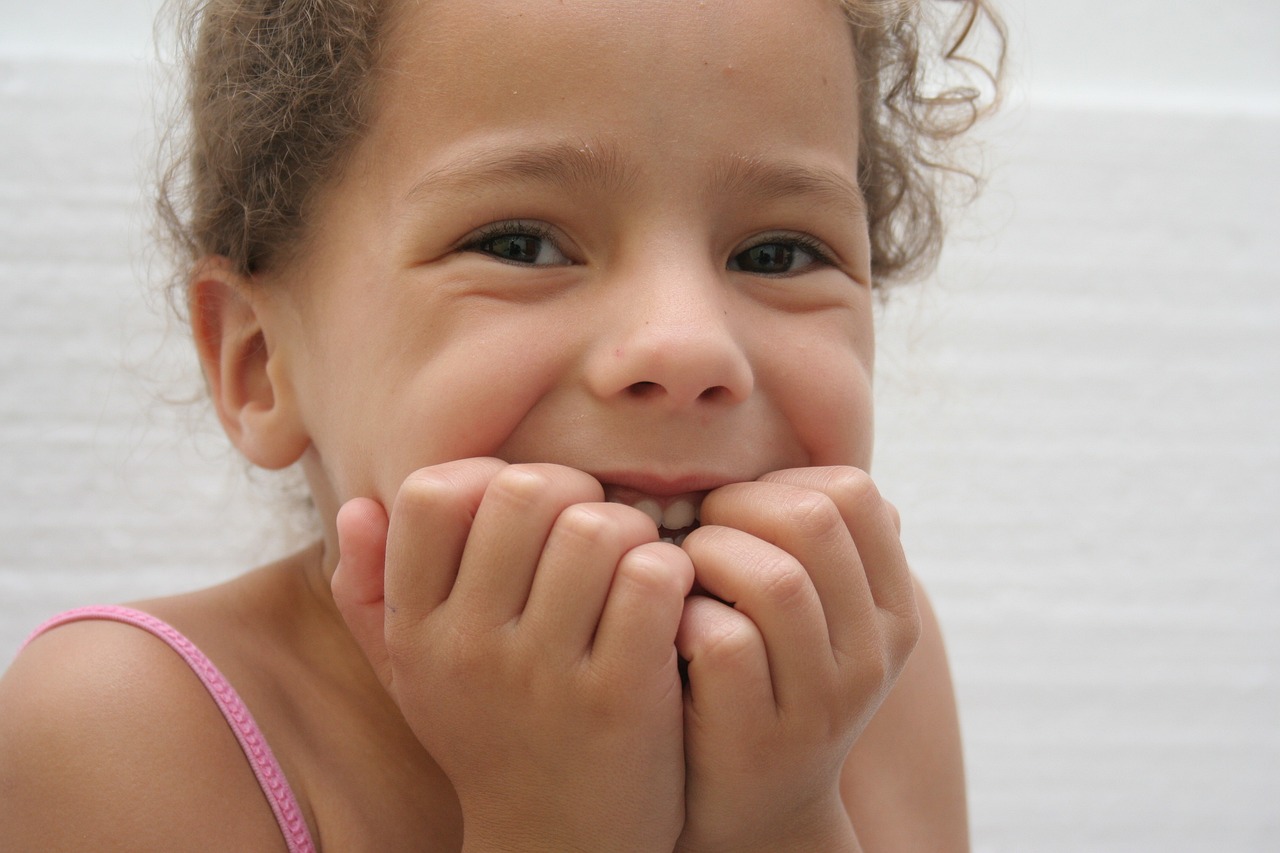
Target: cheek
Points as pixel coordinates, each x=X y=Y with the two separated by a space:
x=840 y=423
x=823 y=389
x=469 y=399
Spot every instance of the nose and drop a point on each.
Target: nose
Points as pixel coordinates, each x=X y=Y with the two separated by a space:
x=669 y=338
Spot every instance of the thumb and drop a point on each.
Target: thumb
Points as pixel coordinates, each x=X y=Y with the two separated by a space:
x=358 y=584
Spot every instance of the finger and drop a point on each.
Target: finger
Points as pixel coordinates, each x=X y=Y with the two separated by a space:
x=773 y=589
x=643 y=612
x=576 y=570
x=511 y=528
x=806 y=524
x=727 y=664
x=896 y=516
x=430 y=521
x=872 y=521
x=357 y=582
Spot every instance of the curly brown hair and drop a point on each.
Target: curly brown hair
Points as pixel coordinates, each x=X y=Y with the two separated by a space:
x=914 y=106
x=278 y=93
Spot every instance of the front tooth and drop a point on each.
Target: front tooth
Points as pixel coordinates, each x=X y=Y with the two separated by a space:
x=679 y=514
x=650 y=508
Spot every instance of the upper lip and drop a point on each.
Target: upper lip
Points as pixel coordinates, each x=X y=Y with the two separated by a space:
x=637 y=485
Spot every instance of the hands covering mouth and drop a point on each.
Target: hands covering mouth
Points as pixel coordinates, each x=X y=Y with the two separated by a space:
x=531 y=632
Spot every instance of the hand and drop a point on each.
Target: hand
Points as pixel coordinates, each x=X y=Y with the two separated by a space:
x=808 y=616
x=526 y=630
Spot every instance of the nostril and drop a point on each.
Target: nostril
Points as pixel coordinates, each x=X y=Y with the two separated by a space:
x=644 y=389
x=713 y=393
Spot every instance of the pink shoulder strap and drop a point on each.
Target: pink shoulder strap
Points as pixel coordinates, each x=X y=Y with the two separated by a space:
x=264 y=764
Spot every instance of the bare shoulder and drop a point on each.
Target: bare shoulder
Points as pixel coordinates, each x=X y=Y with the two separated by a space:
x=904 y=781
x=108 y=741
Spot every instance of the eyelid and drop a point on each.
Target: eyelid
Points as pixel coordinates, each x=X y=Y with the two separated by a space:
x=506 y=227
x=502 y=227
x=821 y=253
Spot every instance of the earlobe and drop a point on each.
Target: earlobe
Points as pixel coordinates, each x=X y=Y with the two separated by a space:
x=243 y=369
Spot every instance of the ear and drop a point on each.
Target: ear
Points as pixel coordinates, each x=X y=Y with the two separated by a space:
x=249 y=388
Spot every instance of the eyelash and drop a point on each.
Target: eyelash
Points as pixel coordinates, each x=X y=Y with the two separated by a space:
x=821 y=254
x=473 y=243
x=508 y=228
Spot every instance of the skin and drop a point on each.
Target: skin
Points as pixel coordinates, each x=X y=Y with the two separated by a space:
x=544 y=280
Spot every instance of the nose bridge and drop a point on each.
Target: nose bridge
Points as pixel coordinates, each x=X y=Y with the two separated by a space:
x=671 y=338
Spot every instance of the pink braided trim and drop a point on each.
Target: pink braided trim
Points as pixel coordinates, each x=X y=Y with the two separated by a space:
x=265 y=767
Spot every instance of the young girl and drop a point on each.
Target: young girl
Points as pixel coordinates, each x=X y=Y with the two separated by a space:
x=564 y=309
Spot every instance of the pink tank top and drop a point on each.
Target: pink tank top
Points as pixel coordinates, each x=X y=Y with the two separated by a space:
x=264 y=764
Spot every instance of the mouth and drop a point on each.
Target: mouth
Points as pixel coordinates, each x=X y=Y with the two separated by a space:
x=675 y=515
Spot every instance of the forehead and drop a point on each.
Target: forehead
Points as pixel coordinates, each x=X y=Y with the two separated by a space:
x=765 y=69
x=490 y=31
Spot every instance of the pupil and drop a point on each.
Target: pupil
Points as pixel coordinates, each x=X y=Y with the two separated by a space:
x=517 y=247
x=770 y=257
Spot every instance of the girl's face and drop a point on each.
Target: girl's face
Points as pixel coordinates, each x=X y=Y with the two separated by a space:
x=619 y=235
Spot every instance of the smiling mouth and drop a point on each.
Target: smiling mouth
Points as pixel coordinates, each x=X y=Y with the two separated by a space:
x=676 y=517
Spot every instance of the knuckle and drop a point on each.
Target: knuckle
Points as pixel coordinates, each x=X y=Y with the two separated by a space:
x=610 y=525
x=600 y=525
x=910 y=628
x=422 y=491
x=896 y=641
x=783 y=582
x=648 y=569
x=588 y=522
x=814 y=515
x=894 y=516
x=876 y=674
x=533 y=485
x=521 y=485
x=855 y=490
x=730 y=641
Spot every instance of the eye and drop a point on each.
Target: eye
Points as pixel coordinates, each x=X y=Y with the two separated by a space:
x=779 y=256
x=522 y=243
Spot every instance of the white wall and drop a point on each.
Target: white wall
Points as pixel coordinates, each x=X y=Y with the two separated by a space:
x=1078 y=415
x=79 y=30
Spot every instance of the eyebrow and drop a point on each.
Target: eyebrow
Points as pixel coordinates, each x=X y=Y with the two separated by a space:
x=772 y=180
x=581 y=165
x=571 y=165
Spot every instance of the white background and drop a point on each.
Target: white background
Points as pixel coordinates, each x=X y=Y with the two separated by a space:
x=1079 y=417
